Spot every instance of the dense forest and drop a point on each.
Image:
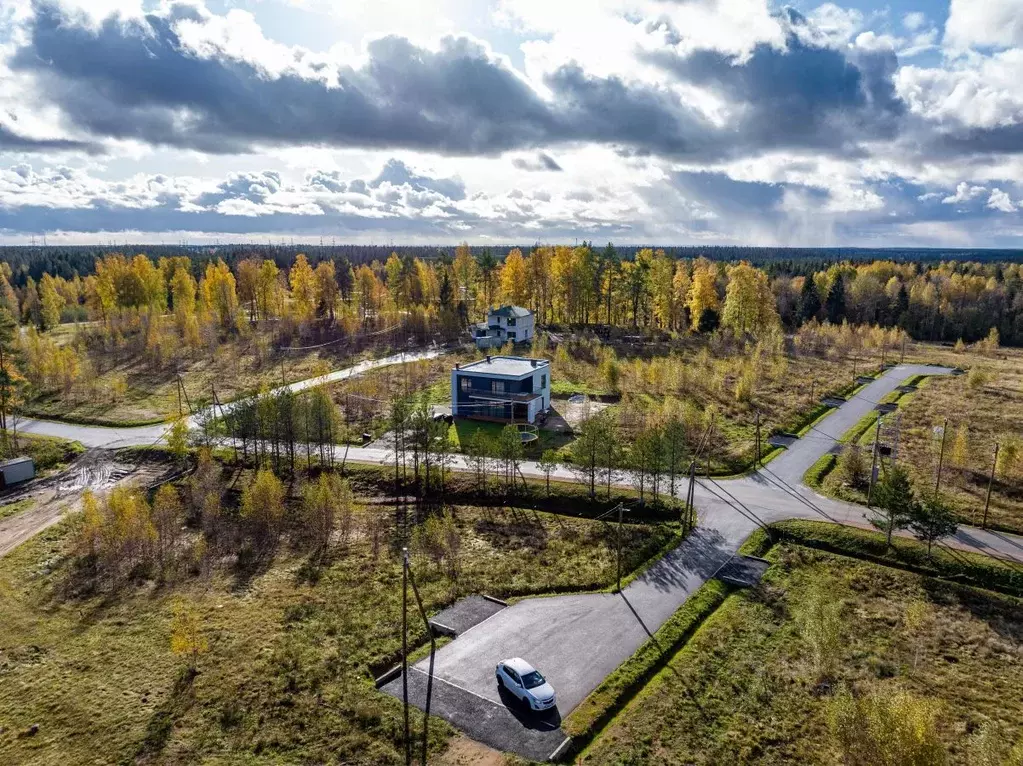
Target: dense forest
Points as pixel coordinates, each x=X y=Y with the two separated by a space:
x=163 y=311
x=67 y=261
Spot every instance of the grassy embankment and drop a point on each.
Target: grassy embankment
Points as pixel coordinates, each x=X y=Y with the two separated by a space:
x=743 y=689
x=987 y=412
x=288 y=674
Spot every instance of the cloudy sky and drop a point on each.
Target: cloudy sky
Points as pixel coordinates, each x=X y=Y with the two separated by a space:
x=671 y=121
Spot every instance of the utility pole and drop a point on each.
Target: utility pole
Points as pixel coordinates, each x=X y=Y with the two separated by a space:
x=433 y=652
x=404 y=653
x=757 y=461
x=990 y=481
x=873 y=461
x=621 y=507
x=813 y=390
x=941 y=458
x=691 y=497
x=884 y=351
x=903 y=348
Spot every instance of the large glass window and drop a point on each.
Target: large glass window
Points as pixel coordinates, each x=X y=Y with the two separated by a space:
x=497 y=386
x=464 y=384
x=543 y=381
x=511 y=321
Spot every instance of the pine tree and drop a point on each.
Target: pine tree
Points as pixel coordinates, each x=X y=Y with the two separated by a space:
x=834 y=306
x=809 y=300
x=896 y=503
x=931 y=521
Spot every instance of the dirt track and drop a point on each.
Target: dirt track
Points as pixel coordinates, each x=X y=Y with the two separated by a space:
x=55 y=496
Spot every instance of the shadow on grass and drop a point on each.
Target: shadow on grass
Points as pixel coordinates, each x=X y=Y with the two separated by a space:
x=161 y=722
x=1000 y=612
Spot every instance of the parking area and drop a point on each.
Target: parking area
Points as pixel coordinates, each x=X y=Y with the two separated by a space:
x=576 y=641
x=500 y=724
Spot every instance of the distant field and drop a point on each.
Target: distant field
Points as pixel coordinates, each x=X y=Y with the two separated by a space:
x=744 y=689
x=985 y=413
x=150 y=394
x=288 y=676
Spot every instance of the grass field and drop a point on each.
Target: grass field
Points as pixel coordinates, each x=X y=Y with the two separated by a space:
x=288 y=674
x=988 y=412
x=700 y=379
x=13 y=509
x=744 y=688
x=150 y=394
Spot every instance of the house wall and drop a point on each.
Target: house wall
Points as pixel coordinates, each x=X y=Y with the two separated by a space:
x=539 y=381
x=524 y=327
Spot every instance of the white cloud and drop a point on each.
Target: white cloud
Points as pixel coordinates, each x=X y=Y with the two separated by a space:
x=964 y=193
x=837 y=24
x=980 y=92
x=914 y=20
x=999 y=200
x=981 y=23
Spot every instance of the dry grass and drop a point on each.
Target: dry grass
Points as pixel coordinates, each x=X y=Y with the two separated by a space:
x=237 y=368
x=991 y=413
x=699 y=378
x=743 y=691
x=288 y=675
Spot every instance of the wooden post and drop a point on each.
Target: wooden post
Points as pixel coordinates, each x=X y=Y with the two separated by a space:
x=404 y=653
x=941 y=458
x=903 y=348
x=691 y=497
x=757 y=461
x=873 y=461
x=990 y=481
x=433 y=652
x=621 y=507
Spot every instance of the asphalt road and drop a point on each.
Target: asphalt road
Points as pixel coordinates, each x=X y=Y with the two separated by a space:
x=116 y=438
x=577 y=640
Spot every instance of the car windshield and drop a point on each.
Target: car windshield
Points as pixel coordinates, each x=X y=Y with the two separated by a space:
x=532 y=680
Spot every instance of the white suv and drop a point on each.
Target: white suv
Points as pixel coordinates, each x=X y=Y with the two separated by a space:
x=525 y=682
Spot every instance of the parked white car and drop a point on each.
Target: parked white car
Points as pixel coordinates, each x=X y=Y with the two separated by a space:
x=525 y=682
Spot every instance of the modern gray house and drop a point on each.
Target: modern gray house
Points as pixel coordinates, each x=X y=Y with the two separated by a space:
x=507 y=323
x=16 y=471
x=509 y=389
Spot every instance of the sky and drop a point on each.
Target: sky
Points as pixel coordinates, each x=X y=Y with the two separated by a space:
x=879 y=124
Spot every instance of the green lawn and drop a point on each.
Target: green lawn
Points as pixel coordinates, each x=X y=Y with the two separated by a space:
x=462 y=430
x=744 y=689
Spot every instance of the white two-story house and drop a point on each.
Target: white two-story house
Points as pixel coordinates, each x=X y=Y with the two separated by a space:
x=507 y=323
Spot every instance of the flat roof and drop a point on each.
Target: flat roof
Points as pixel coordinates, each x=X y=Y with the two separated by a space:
x=514 y=366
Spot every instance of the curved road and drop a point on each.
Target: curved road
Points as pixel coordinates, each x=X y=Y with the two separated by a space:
x=579 y=639
x=115 y=438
